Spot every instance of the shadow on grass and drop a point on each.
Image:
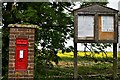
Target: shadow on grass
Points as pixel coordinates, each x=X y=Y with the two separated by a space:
x=84 y=58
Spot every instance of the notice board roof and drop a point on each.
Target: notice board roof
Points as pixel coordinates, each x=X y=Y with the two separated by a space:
x=96 y=8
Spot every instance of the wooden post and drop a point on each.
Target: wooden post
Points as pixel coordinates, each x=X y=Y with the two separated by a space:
x=75 y=62
x=114 y=61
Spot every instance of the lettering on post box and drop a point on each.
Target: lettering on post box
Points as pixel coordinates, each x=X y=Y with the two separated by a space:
x=21 y=61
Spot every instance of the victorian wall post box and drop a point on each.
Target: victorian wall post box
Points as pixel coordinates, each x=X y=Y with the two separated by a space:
x=21 y=54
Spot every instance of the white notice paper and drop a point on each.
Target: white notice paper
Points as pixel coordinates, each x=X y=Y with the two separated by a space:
x=85 y=26
x=107 y=23
x=21 y=53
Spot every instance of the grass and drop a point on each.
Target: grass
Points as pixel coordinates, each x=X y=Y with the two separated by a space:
x=88 y=67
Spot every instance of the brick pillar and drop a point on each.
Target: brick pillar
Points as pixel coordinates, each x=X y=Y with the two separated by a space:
x=25 y=32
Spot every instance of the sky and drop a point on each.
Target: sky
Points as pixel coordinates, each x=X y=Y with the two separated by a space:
x=113 y=4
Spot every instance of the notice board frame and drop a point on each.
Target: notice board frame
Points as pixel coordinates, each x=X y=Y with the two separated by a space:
x=96 y=14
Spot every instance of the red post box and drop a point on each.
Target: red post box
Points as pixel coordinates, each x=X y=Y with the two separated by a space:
x=21 y=61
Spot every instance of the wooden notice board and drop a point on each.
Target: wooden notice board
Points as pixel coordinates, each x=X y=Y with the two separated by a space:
x=106 y=27
x=96 y=23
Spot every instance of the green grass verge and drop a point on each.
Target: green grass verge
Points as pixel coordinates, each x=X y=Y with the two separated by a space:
x=90 y=67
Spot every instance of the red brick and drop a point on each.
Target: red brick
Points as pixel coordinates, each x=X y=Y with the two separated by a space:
x=26 y=75
x=29 y=33
x=11 y=78
x=11 y=65
x=30 y=61
x=11 y=39
x=33 y=31
x=11 y=72
x=22 y=29
x=11 y=52
x=22 y=33
x=31 y=50
x=12 y=35
x=15 y=32
x=31 y=47
x=12 y=57
x=22 y=36
x=11 y=61
x=12 y=29
x=12 y=44
x=31 y=36
x=31 y=54
x=30 y=78
x=11 y=68
x=31 y=43
x=30 y=72
x=20 y=78
x=30 y=75
x=30 y=67
x=30 y=64
x=31 y=39
x=32 y=57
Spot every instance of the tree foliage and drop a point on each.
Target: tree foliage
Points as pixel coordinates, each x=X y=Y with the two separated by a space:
x=84 y=4
x=55 y=27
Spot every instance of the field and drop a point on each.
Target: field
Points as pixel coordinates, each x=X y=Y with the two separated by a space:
x=90 y=67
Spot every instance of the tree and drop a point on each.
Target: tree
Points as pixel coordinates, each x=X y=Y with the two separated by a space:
x=91 y=2
x=55 y=26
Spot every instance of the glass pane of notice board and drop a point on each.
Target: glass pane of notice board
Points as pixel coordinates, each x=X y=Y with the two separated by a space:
x=86 y=27
x=106 y=27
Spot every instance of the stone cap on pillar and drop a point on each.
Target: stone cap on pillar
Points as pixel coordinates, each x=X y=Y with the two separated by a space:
x=23 y=26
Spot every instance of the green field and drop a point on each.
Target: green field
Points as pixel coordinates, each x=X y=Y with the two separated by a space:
x=90 y=67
